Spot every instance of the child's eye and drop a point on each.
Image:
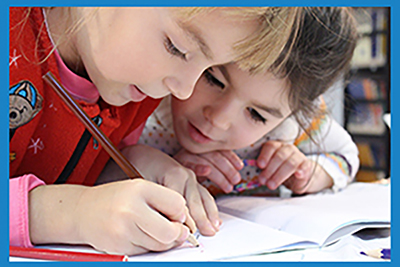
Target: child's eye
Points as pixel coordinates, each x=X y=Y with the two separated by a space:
x=171 y=48
x=211 y=80
x=256 y=116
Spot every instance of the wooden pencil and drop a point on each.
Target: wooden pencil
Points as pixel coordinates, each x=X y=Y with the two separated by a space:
x=122 y=162
x=192 y=240
x=61 y=255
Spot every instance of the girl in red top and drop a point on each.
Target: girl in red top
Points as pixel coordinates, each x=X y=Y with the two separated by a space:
x=116 y=62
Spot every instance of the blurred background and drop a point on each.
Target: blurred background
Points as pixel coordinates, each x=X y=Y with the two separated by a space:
x=366 y=94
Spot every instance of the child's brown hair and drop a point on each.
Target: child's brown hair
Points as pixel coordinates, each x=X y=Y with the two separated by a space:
x=317 y=54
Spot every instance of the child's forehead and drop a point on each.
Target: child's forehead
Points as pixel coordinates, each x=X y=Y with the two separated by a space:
x=237 y=76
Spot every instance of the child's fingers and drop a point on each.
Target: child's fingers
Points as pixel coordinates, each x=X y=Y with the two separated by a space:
x=201 y=170
x=197 y=208
x=220 y=180
x=143 y=240
x=267 y=152
x=210 y=207
x=194 y=162
x=224 y=165
x=199 y=166
x=280 y=156
x=176 y=178
x=304 y=170
x=190 y=223
x=300 y=181
x=298 y=186
x=198 y=169
x=284 y=172
x=233 y=158
x=166 y=201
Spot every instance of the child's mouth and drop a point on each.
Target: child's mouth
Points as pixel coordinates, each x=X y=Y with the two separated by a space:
x=196 y=135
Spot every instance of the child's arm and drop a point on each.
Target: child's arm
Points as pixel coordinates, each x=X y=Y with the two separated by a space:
x=333 y=149
x=160 y=168
x=122 y=217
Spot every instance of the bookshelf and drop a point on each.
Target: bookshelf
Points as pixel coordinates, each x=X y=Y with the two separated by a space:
x=367 y=95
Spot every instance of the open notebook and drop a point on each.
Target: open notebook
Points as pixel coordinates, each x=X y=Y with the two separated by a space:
x=256 y=225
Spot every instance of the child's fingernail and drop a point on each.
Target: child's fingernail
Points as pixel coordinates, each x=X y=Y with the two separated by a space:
x=217 y=223
x=210 y=227
x=237 y=178
x=228 y=188
x=261 y=163
x=239 y=165
x=271 y=184
x=182 y=218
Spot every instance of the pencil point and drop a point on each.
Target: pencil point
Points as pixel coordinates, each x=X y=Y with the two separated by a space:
x=192 y=240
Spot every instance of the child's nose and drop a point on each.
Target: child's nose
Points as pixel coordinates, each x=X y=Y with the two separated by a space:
x=182 y=86
x=177 y=89
x=218 y=117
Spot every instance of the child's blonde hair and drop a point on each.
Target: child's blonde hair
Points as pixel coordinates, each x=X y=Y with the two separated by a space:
x=256 y=53
x=262 y=47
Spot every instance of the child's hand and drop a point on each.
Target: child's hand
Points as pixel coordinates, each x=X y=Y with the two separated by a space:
x=221 y=167
x=126 y=217
x=164 y=170
x=283 y=163
x=132 y=217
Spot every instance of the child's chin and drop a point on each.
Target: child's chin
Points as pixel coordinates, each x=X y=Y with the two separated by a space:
x=196 y=148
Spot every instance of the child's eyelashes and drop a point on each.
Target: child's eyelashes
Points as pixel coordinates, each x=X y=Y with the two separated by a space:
x=171 y=48
x=256 y=116
x=211 y=80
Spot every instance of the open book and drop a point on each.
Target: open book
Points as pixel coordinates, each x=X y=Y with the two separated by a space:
x=255 y=225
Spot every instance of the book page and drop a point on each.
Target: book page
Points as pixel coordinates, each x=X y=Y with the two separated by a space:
x=315 y=217
x=236 y=238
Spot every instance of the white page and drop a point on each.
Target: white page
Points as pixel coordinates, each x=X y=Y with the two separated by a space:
x=314 y=217
x=236 y=238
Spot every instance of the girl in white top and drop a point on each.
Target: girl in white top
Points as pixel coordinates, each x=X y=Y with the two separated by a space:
x=268 y=117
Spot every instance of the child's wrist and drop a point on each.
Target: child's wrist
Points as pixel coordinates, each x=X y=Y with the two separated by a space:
x=54 y=214
x=320 y=180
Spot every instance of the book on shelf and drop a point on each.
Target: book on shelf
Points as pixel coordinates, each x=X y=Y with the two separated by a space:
x=371 y=154
x=370 y=175
x=370 y=52
x=366 y=118
x=370 y=19
x=371 y=48
x=367 y=89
